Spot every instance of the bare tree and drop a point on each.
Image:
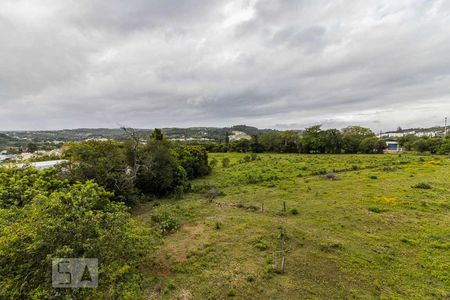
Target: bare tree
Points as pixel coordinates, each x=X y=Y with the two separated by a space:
x=135 y=141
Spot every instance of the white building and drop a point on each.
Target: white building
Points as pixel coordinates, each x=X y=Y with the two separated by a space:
x=42 y=165
x=392 y=147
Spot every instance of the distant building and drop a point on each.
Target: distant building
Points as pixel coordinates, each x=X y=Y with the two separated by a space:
x=42 y=165
x=393 y=147
x=417 y=133
x=239 y=135
x=98 y=139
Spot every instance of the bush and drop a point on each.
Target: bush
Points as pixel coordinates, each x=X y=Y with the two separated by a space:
x=245 y=159
x=331 y=176
x=225 y=162
x=165 y=222
x=320 y=172
x=377 y=209
x=76 y=221
x=159 y=171
x=254 y=157
x=194 y=159
x=294 y=211
x=106 y=162
x=19 y=186
x=213 y=163
x=422 y=185
x=330 y=247
x=253 y=178
x=372 y=145
x=260 y=244
x=217 y=225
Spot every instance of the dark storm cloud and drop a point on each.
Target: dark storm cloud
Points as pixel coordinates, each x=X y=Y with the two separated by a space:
x=284 y=64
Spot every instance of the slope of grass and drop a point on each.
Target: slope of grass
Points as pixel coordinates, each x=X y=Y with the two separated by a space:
x=367 y=234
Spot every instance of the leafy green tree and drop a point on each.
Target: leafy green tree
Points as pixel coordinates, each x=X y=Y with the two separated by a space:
x=76 y=221
x=157 y=135
x=194 y=159
x=372 y=145
x=242 y=145
x=19 y=186
x=353 y=136
x=255 y=146
x=32 y=147
x=331 y=141
x=106 y=162
x=272 y=141
x=444 y=148
x=426 y=144
x=158 y=170
x=311 y=139
x=407 y=141
x=291 y=141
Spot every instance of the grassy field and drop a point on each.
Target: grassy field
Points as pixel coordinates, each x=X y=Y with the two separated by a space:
x=378 y=228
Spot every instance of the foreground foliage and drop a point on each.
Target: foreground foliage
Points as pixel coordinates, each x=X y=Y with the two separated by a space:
x=77 y=220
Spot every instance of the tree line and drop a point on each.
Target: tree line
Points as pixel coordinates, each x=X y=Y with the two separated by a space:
x=433 y=145
x=353 y=139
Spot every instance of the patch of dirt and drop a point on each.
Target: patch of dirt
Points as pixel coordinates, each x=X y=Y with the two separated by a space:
x=177 y=246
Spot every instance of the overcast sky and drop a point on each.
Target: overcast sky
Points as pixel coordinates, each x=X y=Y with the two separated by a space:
x=171 y=63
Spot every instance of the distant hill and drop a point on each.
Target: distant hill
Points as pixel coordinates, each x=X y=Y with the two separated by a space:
x=64 y=135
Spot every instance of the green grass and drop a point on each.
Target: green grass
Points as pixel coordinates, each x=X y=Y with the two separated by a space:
x=354 y=237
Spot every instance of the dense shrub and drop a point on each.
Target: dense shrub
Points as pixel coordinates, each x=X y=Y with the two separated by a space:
x=213 y=163
x=106 y=162
x=294 y=211
x=372 y=145
x=426 y=144
x=166 y=222
x=377 y=209
x=331 y=176
x=240 y=146
x=331 y=247
x=225 y=162
x=260 y=243
x=194 y=159
x=158 y=170
x=423 y=186
x=19 y=186
x=76 y=221
x=444 y=148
